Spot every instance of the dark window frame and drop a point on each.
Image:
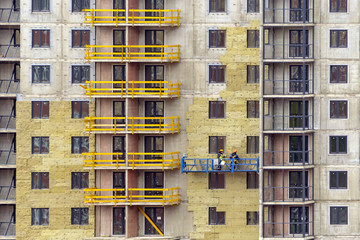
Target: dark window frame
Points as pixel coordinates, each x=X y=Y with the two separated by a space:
x=252 y=218
x=336 y=210
x=217 y=10
x=80 y=220
x=217 y=44
x=41 y=43
x=77 y=179
x=255 y=69
x=219 y=180
x=256 y=147
x=337 y=144
x=81 y=44
x=252 y=180
x=338 y=184
x=38 y=7
x=42 y=115
x=122 y=221
x=338 y=74
x=41 y=145
x=212 y=210
x=81 y=73
x=82 y=5
x=212 y=151
x=81 y=140
x=42 y=68
x=154 y=213
x=336 y=114
x=217 y=113
x=82 y=113
x=219 y=69
x=252 y=109
x=42 y=211
x=253 y=4
x=254 y=43
x=337 y=43
x=42 y=184
x=337 y=6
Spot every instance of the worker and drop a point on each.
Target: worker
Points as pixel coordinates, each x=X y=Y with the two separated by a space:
x=234 y=158
x=220 y=157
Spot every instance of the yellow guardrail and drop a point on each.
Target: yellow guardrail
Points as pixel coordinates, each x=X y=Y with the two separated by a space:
x=135 y=16
x=168 y=160
x=132 y=124
x=138 y=196
x=132 y=88
x=133 y=52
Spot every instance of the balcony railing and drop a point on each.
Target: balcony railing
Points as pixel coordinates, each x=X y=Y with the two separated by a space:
x=288 y=158
x=9 y=15
x=288 y=194
x=288 y=87
x=135 y=17
x=289 y=15
x=288 y=123
x=134 y=160
x=8 y=228
x=137 y=53
x=158 y=89
x=132 y=125
x=134 y=196
x=213 y=165
x=7 y=192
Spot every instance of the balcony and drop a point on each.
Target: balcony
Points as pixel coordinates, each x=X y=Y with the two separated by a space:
x=133 y=53
x=7 y=194
x=134 y=196
x=135 y=17
x=133 y=125
x=9 y=80
x=7 y=229
x=281 y=12
x=7 y=151
x=132 y=89
x=10 y=12
x=134 y=161
x=212 y=165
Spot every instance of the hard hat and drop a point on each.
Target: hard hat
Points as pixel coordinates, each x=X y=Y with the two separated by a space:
x=221 y=150
x=235 y=151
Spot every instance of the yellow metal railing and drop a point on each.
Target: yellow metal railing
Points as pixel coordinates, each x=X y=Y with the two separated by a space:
x=132 y=88
x=164 y=160
x=135 y=16
x=138 y=196
x=129 y=53
x=132 y=124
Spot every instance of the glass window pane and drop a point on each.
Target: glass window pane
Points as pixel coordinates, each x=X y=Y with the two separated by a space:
x=84 y=216
x=76 y=109
x=76 y=38
x=342 y=144
x=84 y=144
x=36 y=38
x=35 y=216
x=212 y=216
x=45 y=145
x=75 y=145
x=333 y=145
x=333 y=38
x=45 y=38
x=221 y=38
x=212 y=145
x=221 y=218
x=342 y=212
x=76 y=74
x=342 y=38
x=45 y=180
x=342 y=179
x=85 y=38
x=342 y=109
x=35 y=180
x=342 y=5
x=220 y=180
x=75 y=180
x=212 y=38
x=333 y=113
x=45 y=216
x=85 y=180
x=221 y=110
x=85 y=109
x=36 y=145
x=45 y=109
x=36 y=109
x=333 y=215
x=221 y=74
x=333 y=180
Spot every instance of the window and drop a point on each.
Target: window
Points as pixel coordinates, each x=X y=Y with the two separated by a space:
x=299 y=220
x=338 y=109
x=40 y=38
x=252 y=74
x=217 y=109
x=338 y=180
x=252 y=218
x=252 y=38
x=80 y=74
x=216 y=143
x=40 y=5
x=79 y=5
x=338 y=38
x=252 y=180
x=296 y=187
x=252 y=144
x=252 y=6
x=299 y=10
x=156 y=214
x=216 y=180
x=40 y=145
x=216 y=218
x=119 y=221
x=16 y=36
x=252 y=109
x=154 y=180
x=79 y=180
x=298 y=152
x=79 y=216
x=338 y=144
x=40 y=109
x=119 y=147
x=339 y=215
x=40 y=216
x=217 y=74
x=217 y=38
x=298 y=118
x=80 y=38
x=79 y=109
x=299 y=78
x=338 y=5
x=217 y=6
x=41 y=74
x=299 y=43
x=79 y=145
x=338 y=74
x=155 y=145
x=40 y=180
x=16 y=5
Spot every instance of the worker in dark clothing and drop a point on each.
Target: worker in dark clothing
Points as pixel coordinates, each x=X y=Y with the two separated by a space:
x=220 y=157
x=235 y=158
